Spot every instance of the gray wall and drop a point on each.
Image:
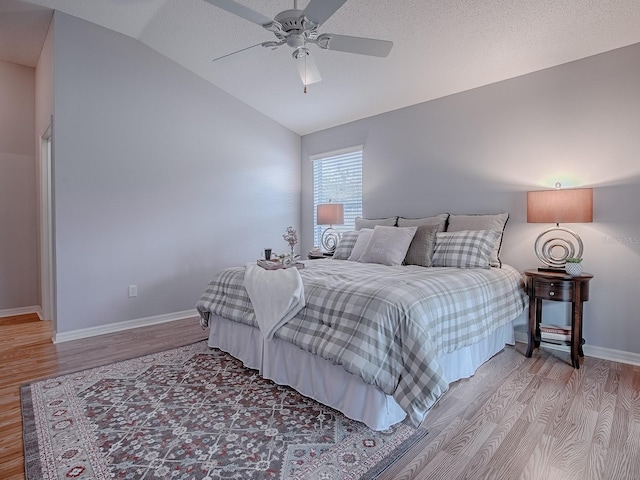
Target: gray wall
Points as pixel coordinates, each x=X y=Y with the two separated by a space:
x=480 y=151
x=18 y=234
x=160 y=179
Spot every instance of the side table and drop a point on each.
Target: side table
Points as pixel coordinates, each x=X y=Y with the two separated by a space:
x=557 y=287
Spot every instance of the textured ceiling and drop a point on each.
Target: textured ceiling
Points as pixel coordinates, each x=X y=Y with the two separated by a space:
x=440 y=47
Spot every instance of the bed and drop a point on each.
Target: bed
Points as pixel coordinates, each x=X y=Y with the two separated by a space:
x=377 y=342
x=404 y=308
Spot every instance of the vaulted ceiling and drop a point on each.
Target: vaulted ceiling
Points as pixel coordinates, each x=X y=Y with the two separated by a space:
x=440 y=47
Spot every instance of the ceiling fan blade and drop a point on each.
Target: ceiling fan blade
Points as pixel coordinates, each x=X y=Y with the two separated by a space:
x=360 y=45
x=237 y=51
x=307 y=69
x=240 y=10
x=318 y=11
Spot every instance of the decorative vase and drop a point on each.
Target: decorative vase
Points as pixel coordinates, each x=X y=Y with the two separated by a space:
x=573 y=269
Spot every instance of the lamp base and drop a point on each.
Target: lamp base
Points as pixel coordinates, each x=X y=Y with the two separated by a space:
x=553 y=251
x=330 y=239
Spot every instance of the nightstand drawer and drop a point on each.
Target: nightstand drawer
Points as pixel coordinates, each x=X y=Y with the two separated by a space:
x=553 y=290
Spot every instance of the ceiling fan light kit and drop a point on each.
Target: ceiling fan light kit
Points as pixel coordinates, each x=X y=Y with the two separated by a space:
x=298 y=28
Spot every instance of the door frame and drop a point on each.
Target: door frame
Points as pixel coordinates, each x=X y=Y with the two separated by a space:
x=47 y=269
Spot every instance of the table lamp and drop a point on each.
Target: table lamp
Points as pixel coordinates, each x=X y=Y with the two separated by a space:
x=330 y=214
x=555 y=245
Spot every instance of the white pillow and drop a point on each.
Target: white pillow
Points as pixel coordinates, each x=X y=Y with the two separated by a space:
x=388 y=245
x=364 y=236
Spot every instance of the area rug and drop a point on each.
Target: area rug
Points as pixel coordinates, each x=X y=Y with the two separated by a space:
x=194 y=413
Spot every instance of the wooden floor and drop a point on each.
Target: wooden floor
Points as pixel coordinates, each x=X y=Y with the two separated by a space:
x=27 y=354
x=517 y=418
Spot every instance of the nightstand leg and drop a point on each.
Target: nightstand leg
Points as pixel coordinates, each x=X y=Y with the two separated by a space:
x=531 y=330
x=532 y=327
x=576 y=331
x=581 y=340
x=538 y=320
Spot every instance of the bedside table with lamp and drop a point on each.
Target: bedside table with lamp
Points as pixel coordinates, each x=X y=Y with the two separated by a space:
x=553 y=247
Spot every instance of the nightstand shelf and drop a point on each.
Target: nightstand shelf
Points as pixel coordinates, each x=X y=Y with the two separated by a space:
x=553 y=341
x=557 y=287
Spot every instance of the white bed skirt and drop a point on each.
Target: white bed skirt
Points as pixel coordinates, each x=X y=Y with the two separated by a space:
x=330 y=384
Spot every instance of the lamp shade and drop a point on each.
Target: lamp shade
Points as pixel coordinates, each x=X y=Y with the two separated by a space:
x=330 y=214
x=573 y=205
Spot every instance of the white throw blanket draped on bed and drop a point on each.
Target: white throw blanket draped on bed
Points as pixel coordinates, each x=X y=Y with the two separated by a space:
x=276 y=295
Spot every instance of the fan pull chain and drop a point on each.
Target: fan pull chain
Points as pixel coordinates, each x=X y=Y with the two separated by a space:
x=305 y=71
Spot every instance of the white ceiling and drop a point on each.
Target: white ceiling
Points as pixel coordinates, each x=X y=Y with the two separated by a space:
x=440 y=47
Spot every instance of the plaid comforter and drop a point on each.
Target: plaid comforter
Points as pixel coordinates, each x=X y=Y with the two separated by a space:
x=385 y=324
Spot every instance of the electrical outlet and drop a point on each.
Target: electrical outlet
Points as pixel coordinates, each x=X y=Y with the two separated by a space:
x=133 y=291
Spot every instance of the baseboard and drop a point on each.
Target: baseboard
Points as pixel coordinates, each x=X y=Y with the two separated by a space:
x=11 y=312
x=120 y=326
x=590 y=351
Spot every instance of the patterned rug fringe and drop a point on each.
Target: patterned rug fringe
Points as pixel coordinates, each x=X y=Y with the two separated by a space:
x=400 y=451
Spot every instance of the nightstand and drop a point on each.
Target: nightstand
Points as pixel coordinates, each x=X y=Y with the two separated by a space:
x=557 y=287
x=316 y=255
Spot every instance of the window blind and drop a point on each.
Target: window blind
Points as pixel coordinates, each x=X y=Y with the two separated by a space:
x=337 y=178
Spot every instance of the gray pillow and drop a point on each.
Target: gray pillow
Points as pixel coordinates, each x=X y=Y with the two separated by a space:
x=372 y=222
x=421 y=249
x=388 y=245
x=495 y=222
x=345 y=245
x=465 y=249
x=364 y=236
x=440 y=220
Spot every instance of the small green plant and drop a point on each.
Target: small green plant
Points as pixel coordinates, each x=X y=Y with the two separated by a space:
x=573 y=260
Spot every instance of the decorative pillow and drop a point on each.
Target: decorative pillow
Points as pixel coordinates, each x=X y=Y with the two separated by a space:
x=372 y=222
x=388 y=245
x=345 y=245
x=364 y=236
x=465 y=249
x=421 y=249
x=440 y=220
x=482 y=222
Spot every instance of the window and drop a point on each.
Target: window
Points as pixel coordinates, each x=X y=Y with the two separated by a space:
x=337 y=178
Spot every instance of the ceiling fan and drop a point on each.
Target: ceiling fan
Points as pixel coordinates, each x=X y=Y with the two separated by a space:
x=299 y=28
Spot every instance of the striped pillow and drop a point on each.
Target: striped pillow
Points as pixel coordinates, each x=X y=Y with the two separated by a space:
x=345 y=245
x=464 y=249
x=496 y=222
